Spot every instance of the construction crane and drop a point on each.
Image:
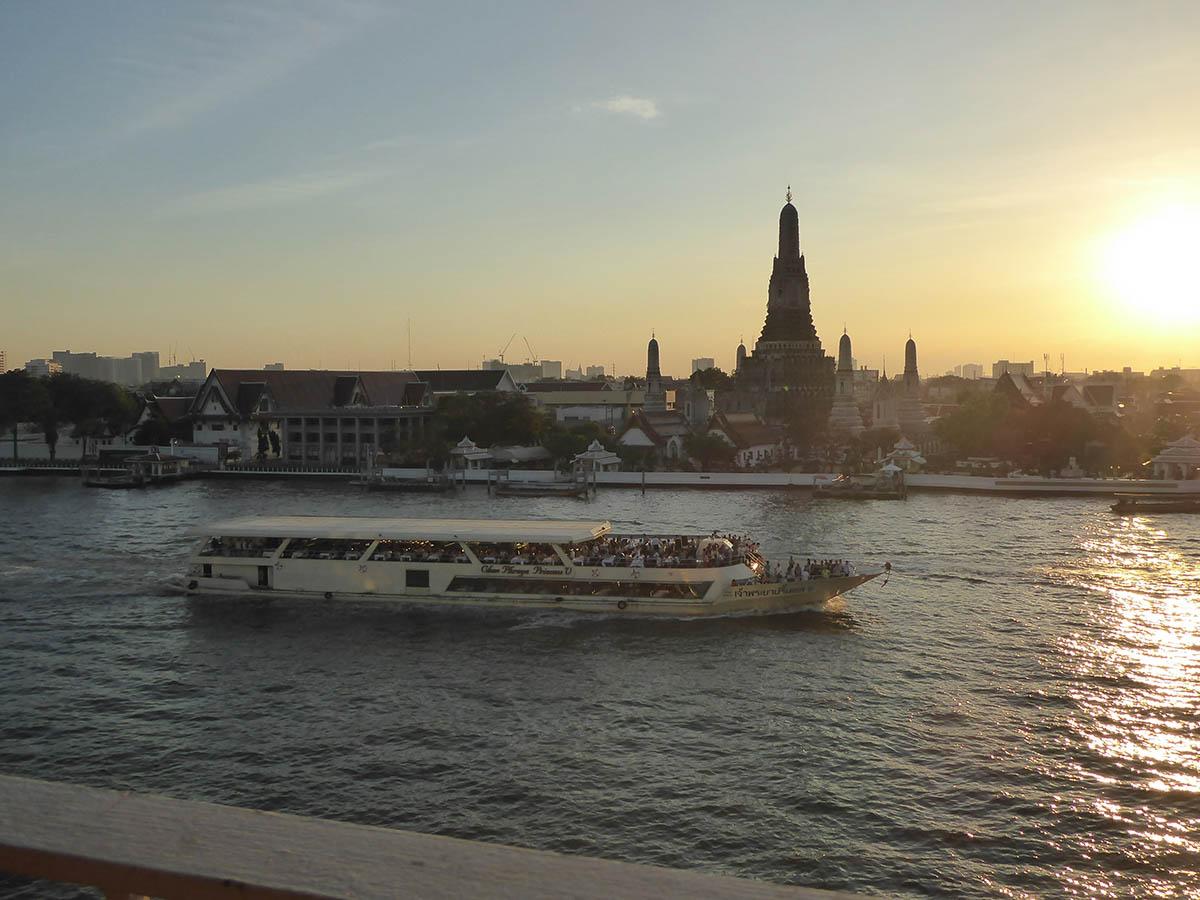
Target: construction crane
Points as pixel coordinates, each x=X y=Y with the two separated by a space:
x=504 y=349
x=532 y=356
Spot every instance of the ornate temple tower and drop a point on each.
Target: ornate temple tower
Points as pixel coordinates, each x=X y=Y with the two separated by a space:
x=788 y=377
x=885 y=407
x=912 y=381
x=844 y=417
x=909 y=408
x=656 y=395
x=741 y=356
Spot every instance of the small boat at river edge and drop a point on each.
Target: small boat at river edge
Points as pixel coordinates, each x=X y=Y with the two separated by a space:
x=575 y=566
x=1135 y=504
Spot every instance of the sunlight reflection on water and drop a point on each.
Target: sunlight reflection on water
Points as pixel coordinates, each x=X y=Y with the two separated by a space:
x=1135 y=680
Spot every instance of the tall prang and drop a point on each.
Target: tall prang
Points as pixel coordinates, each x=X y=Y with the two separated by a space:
x=910 y=409
x=788 y=378
x=844 y=416
x=656 y=394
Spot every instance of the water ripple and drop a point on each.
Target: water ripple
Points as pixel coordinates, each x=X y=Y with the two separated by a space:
x=1016 y=714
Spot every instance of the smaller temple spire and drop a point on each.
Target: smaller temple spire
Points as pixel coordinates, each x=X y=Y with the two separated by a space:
x=789 y=194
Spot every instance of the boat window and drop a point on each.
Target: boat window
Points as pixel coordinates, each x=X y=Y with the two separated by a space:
x=325 y=548
x=240 y=546
x=517 y=554
x=666 y=590
x=418 y=578
x=419 y=551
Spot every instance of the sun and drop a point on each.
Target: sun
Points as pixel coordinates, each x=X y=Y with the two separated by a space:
x=1153 y=265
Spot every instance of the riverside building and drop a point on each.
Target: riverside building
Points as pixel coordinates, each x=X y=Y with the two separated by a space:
x=320 y=417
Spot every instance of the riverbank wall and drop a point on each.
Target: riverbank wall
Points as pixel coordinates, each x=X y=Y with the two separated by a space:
x=809 y=480
x=800 y=481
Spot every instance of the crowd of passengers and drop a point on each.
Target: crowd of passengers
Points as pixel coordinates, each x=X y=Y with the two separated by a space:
x=812 y=568
x=664 y=552
x=614 y=551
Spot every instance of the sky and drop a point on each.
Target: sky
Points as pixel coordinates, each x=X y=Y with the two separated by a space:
x=310 y=181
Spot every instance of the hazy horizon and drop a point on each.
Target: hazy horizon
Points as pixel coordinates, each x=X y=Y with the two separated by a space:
x=261 y=181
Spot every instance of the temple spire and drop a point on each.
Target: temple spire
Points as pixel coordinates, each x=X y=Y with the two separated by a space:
x=789 y=230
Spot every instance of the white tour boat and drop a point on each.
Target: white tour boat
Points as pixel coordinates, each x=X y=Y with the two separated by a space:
x=533 y=564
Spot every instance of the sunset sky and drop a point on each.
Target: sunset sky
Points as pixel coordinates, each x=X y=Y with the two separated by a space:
x=252 y=181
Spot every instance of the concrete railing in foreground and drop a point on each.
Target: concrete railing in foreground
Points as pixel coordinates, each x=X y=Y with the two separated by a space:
x=142 y=845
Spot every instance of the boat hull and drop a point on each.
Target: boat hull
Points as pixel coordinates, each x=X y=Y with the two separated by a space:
x=1161 y=506
x=738 y=600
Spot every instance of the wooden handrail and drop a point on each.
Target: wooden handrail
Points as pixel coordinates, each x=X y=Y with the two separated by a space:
x=138 y=844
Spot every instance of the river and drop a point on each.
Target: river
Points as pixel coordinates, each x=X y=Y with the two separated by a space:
x=1015 y=713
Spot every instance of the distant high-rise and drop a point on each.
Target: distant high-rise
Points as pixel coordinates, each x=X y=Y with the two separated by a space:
x=3 y=361
x=1004 y=367
x=196 y=370
x=273 y=367
x=132 y=370
x=594 y=372
x=84 y=365
x=703 y=363
x=148 y=361
x=971 y=371
x=42 y=368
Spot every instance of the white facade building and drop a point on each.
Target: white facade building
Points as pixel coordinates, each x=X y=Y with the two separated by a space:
x=42 y=368
x=1004 y=367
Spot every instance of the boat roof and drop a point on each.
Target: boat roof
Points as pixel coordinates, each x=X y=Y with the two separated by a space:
x=548 y=531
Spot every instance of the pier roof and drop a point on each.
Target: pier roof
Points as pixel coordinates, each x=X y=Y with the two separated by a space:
x=396 y=529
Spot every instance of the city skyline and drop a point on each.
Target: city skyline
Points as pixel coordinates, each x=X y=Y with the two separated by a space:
x=247 y=183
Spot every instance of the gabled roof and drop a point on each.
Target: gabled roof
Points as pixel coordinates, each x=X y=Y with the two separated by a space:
x=172 y=408
x=464 y=381
x=248 y=395
x=658 y=426
x=310 y=389
x=393 y=388
x=546 y=387
x=1017 y=387
x=1101 y=395
x=747 y=430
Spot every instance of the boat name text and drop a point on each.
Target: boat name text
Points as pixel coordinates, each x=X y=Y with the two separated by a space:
x=525 y=570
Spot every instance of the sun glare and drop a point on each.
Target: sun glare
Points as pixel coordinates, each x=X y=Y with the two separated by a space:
x=1152 y=265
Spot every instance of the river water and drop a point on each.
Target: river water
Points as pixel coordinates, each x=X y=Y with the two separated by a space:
x=1016 y=713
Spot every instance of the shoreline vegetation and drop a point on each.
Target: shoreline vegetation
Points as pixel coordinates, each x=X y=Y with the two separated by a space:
x=985 y=433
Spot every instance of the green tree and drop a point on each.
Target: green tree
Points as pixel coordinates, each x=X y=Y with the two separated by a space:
x=22 y=399
x=490 y=418
x=93 y=408
x=709 y=450
x=976 y=427
x=712 y=379
x=563 y=442
x=637 y=459
x=154 y=432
